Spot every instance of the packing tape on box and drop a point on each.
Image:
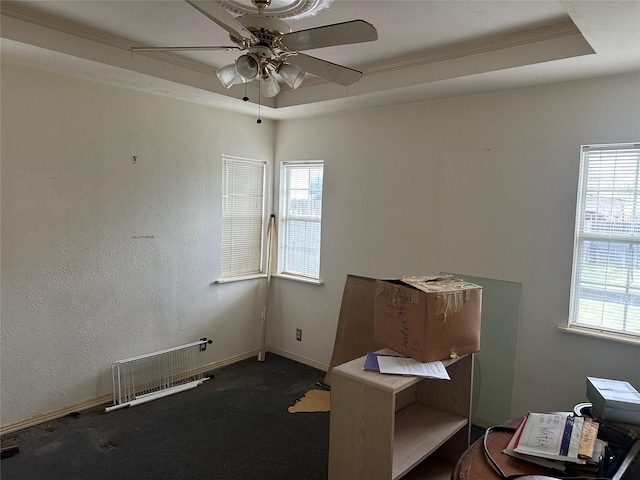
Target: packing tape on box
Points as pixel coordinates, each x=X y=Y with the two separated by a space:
x=451 y=292
x=448 y=303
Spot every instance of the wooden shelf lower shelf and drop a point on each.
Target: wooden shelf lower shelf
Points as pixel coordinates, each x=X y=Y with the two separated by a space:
x=410 y=444
x=431 y=468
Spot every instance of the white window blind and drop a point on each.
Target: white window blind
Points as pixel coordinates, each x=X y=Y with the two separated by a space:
x=300 y=218
x=243 y=212
x=605 y=293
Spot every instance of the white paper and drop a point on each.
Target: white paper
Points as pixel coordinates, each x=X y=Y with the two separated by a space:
x=409 y=366
x=544 y=462
x=543 y=436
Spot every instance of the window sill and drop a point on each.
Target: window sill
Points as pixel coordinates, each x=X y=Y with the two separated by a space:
x=240 y=279
x=312 y=281
x=603 y=334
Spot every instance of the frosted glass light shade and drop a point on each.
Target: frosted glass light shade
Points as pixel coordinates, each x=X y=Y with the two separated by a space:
x=291 y=74
x=248 y=66
x=269 y=86
x=229 y=75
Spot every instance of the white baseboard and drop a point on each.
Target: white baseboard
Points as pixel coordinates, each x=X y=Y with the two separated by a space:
x=47 y=417
x=299 y=359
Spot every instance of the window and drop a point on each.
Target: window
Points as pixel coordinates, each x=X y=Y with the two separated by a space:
x=605 y=291
x=300 y=219
x=243 y=212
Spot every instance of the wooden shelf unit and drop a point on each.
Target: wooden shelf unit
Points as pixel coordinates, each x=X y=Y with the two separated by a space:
x=382 y=426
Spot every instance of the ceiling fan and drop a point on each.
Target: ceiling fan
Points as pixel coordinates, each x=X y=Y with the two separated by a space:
x=272 y=48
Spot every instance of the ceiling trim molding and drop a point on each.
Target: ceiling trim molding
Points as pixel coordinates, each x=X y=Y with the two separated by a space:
x=475 y=47
x=11 y=9
x=478 y=46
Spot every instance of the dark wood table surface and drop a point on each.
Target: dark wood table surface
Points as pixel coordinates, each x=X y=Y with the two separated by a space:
x=474 y=465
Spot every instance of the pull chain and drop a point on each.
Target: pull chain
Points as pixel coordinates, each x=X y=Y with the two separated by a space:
x=259 y=100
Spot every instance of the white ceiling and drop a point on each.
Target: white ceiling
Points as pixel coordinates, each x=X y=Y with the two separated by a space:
x=425 y=49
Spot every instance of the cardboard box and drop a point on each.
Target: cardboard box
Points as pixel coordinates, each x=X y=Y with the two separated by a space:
x=614 y=400
x=428 y=318
x=354 y=336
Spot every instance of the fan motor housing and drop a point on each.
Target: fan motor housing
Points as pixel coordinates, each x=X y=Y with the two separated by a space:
x=265 y=29
x=260 y=51
x=272 y=25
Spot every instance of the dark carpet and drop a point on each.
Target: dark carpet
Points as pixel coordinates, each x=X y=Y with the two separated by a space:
x=234 y=426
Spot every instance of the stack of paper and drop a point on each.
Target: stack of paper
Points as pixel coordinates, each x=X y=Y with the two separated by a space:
x=404 y=366
x=552 y=439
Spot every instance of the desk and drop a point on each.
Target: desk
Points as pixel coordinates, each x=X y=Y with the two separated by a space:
x=473 y=464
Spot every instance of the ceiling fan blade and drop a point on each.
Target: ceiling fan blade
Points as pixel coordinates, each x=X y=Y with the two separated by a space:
x=185 y=49
x=355 y=31
x=216 y=12
x=327 y=70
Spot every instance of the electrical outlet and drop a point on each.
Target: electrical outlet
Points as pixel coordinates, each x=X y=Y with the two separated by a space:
x=299 y=334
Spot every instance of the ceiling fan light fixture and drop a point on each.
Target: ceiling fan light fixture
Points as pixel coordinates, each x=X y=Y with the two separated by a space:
x=291 y=74
x=248 y=66
x=229 y=75
x=269 y=86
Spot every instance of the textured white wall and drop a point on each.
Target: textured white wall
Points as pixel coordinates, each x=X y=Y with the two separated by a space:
x=483 y=184
x=103 y=257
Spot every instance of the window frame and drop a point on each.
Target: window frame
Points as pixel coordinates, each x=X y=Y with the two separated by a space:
x=284 y=218
x=228 y=178
x=586 y=234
